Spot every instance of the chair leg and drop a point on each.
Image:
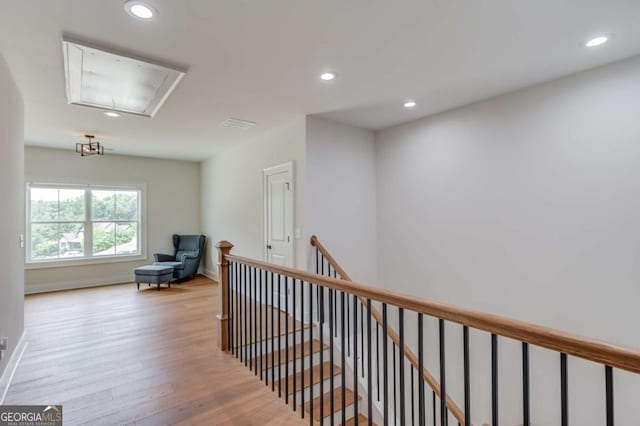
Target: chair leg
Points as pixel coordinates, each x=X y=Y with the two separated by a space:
x=169 y=284
x=158 y=287
x=138 y=286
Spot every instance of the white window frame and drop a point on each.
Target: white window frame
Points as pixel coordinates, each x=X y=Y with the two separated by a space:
x=88 y=260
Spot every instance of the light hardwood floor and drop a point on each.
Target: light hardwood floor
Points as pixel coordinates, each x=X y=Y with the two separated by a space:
x=112 y=356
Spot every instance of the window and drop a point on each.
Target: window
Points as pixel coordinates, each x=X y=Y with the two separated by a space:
x=67 y=222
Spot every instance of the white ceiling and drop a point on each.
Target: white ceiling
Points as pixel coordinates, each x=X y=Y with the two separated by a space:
x=260 y=61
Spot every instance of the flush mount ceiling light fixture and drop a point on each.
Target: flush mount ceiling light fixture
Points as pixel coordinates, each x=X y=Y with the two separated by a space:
x=410 y=104
x=597 y=41
x=327 y=76
x=139 y=10
x=100 y=78
x=112 y=114
x=89 y=148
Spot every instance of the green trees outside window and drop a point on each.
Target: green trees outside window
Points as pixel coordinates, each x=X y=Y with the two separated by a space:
x=65 y=220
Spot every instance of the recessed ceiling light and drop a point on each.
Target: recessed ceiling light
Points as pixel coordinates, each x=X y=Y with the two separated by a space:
x=328 y=76
x=139 y=10
x=112 y=114
x=410 y=104
x=597 y=41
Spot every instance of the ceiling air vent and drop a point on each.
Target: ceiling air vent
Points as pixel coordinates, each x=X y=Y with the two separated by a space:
x=235 y=123
x=100 y=78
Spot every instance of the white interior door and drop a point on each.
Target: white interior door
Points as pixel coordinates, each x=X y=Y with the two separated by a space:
x=278 y=216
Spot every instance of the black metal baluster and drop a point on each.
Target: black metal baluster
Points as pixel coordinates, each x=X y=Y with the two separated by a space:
x=413 y=404
x=246 y=335
x=295 y=362
x=321 y=351
x=318 y=287
x=302 y=349
x=369 y=377
x=343 y=353
x=443 y=376
x=494 y=380
x=362 y=338
x=348 y=327
x=311 y=354
x=250 y=323
x=259 y=304
x=378 y=360
x=279 y=313
x=237 y=310
x=259 y=321
x=332 y=306
x=229 y=297
x=286 y=340
x=525 y=385
x=232 y=315
x=467 y=384
x=254 y=323
x=355 y=360
x=240 y=304
x=273 y=336
x=395 y=408
x=264 y=306
x=433 y=402
x=385 y=362
x=256 y=341
x=401 y=357
x=421 y=395
x=564 y=390
x=335 y=303
x=255 y=320
x=608 y=377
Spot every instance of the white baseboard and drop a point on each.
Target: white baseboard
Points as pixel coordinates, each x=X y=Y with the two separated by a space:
x=209 y=273
x=12 y=366
x=70 y=285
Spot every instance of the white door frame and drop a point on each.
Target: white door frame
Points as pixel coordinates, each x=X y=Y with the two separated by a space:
x=285 y=167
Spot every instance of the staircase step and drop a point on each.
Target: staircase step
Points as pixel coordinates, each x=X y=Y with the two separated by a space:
x=291 y=350
x=316 y=376
x=262 y=310
x=362 y=421
x=337 y=402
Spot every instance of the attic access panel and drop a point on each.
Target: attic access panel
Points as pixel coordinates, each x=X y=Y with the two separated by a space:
x=104 y=79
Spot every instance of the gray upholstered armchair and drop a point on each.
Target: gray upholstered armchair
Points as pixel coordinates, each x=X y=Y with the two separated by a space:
x=186 y=259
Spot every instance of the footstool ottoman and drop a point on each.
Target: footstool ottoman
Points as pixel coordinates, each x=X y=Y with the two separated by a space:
x=154 y=274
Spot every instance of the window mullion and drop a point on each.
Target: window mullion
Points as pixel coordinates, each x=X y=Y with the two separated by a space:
x=58 y=224
x=88 y=228
x=115 y=224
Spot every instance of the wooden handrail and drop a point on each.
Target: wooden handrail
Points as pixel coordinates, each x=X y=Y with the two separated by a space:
x=617 y=356
x=411 y=357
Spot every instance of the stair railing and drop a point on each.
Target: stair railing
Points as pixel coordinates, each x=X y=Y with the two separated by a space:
x=323 y=255
x=247 y=329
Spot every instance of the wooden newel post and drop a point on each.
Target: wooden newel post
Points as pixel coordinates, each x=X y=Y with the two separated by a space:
x=224 y=247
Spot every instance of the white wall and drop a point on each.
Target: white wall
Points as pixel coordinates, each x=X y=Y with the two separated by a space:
x=525 y=205
x=341 y=195
x=232 y=192
x=173 y=206
x=11 y=214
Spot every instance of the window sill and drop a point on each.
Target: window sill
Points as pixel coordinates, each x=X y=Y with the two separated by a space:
x=84 y=261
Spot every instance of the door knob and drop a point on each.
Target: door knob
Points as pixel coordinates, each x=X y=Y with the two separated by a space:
x=268 y=246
